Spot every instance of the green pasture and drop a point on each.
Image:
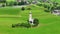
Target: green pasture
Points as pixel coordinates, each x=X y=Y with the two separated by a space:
x=9 y=11
x=48 y=23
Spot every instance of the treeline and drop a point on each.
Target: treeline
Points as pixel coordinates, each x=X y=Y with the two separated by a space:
x=5 y=3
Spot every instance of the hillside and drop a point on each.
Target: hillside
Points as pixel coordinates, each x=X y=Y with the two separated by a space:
x=48 y=23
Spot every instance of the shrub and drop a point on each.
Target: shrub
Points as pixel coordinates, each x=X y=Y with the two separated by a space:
x=55 y=4
x=28 y=8
x=10 y=4
x=26 y=25
x=46 y=6
x=3 y=5
x=36 y=22
x=58 y=7
x=52 y=8
x=46 y=10
x=15 y=3
x=2 y=1
x=39 y=4
x=22 y=2
x=22 y=8
x=7 y=3
x=19 y=3
x=13 y=25
x=18 y=24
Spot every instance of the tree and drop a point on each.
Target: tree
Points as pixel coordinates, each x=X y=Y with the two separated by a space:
x=3 y=5
x=22 y=2
x=15 y=3
x=19 y=3
x=2 y=1
x=10 y=3
x=46 y=10
x=28 y=8
x=39 y=4
x=13 y=26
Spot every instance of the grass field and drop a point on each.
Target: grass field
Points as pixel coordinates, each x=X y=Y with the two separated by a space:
x=48 y=23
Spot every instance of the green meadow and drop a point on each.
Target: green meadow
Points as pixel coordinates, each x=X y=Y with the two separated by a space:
x=48 y=23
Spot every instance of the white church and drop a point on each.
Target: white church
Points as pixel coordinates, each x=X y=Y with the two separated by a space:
x=56 y=12
x=33 y=21
x=30 y=18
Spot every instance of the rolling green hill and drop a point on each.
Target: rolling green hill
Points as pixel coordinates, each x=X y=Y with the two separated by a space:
x=48 y=23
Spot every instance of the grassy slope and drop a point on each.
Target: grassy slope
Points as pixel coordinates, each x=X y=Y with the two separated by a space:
x=49 y=24
x=32 y=0
x=7 y=11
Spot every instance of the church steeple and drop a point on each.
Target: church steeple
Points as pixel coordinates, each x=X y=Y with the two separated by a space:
x=30 y=16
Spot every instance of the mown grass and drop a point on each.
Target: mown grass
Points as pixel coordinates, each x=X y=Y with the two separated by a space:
x=48 y=23
x=9 y=11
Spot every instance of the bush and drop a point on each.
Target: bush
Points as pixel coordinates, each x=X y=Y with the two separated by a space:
x=10 y=3
x=39 y=4
x=46 y=6
x=2 y=1
x=52 y=8
x=26 y=25
x=36 y=22
x=55 y=4
x=23 y=8
x=28 y=8
x=19 y=3
x=3 y=5
x=22 y=2
x=15 y=3
x=13 y=25
x=58 y=7
x=46 y=10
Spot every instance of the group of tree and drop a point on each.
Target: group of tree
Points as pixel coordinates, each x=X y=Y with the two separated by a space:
x=2 y=1
x=12 y=3
x=23 y=8
x=15 y=3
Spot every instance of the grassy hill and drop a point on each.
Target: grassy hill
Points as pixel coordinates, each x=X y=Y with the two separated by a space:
x=38 y=0
x=48 y=23
x=7 y=11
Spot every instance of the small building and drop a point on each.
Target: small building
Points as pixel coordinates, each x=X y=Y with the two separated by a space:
x=56 y=12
